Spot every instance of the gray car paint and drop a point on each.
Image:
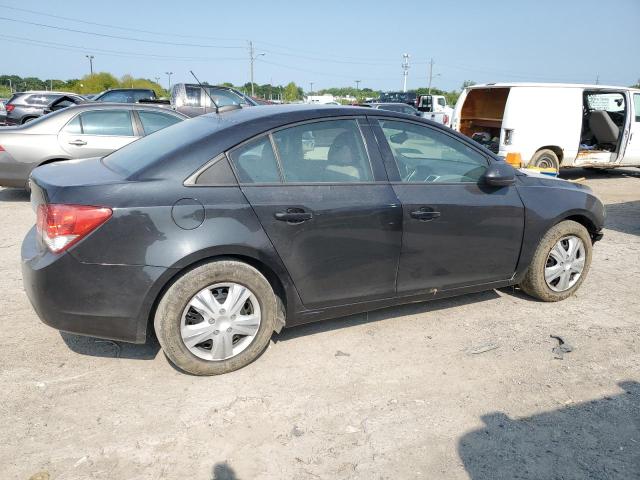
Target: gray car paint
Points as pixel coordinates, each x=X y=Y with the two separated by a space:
x=118 y=273
x=42 y=141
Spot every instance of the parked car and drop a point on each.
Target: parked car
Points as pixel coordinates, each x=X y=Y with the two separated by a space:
x=218 y=231
x=395 y=107
x=24 y=107
x=125 y=95
x=398 y=97
x=550 y=125
x=435 y=108
x=82 y=131
x=3 y=111
x=192 y=100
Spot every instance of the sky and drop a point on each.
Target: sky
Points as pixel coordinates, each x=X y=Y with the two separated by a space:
x=330 y=43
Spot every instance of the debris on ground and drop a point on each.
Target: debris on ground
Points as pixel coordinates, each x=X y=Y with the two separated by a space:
x=340 y=353
x=562 y=347
x=485 y=347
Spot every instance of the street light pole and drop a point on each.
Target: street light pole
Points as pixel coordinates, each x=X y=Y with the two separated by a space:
x=310 y=88
x=358 y=85
x=252 y=58
x=430 y=75
x=90 y=57
x=168 y=74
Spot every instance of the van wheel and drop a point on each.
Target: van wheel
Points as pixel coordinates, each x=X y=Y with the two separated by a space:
x=545 y=158
x=560 y=264
x=216 y=318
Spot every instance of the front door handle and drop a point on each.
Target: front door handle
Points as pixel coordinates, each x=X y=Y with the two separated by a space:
x=293 y=215
x=425 y=214
x=78 y=143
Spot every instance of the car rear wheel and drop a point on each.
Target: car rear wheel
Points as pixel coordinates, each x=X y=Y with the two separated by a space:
x=560 y=264
x=216 y=318
x=545 y=158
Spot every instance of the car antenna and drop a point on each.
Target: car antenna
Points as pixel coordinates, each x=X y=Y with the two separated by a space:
x=205 y=91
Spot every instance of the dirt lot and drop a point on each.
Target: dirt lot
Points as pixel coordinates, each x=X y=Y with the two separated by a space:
x=457 y=389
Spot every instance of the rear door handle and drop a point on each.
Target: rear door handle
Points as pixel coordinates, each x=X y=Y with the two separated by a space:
x=78 y=143
x=293 y=215
x=425 y=214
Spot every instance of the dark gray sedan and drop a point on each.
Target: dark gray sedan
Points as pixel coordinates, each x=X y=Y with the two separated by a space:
x=218 y=231
x=81 y=131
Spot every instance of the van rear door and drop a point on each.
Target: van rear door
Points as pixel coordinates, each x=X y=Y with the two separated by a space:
x=632 y=153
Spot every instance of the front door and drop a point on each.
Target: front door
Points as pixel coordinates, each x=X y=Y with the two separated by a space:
x=457 y=231
x=97 y=133
x=335 y=224
x=632 y=152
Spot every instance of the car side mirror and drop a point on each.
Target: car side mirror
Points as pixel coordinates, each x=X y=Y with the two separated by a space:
x=500 y=174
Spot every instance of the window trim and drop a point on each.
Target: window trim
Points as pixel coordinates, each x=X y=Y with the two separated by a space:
x=276 y=152
x=132 y=120
x=392 y=160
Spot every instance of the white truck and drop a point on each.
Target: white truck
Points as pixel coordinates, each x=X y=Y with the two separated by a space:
x=435 y=107
x=551 y=125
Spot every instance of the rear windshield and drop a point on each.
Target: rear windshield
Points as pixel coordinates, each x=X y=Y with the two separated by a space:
x=143 y=153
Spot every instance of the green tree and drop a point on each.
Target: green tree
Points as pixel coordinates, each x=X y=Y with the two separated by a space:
x=292 y=92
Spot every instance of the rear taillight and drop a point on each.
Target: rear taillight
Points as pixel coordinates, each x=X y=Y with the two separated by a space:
x=446 y=119
x=61 y=226
x=9 y=108
x=2 y=148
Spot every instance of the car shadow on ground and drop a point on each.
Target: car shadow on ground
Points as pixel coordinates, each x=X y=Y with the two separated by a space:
x=598 y=439
x=14 y=195
x=383 y=314
x=597 y=173
x=624 y=217
x=96 y=347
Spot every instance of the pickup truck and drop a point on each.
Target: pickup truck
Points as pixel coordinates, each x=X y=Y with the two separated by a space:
x=435 y=107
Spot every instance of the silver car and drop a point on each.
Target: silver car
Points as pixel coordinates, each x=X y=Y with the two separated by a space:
x=81 y=131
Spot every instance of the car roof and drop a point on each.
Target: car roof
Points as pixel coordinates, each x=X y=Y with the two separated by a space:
x=114 y=105
x=551 y=85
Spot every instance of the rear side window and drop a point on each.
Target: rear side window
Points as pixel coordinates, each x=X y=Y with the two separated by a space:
x=107 y=122
x=425 y=155
x=40 y=99
x=255 y=162
x=193 y=96
x=327 y=151
x=74 y=126
x=154 y=121
x=225 y=97
x=636 y=105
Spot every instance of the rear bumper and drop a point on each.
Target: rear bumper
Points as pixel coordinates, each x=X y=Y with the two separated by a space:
x=106 y=301
x=13 y=173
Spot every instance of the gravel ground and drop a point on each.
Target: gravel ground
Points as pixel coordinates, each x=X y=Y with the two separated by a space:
x=464 y=388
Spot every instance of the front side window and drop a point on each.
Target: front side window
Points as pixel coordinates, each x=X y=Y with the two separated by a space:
x=425 y=155
x=326 y=151
x=636 y=104
x=107 y=122
x=255 y=162
x=154 y=121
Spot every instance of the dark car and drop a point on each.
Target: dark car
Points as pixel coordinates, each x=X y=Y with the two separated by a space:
x=394 y=107
x=222 y=229
x=3 y=111
x=125 y=95
x=23 y=107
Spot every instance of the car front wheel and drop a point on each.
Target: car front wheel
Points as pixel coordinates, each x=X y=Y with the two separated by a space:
x=216 y=318
x=560 y=263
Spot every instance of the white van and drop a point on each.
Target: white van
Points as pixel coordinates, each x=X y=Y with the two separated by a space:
x=552 y=125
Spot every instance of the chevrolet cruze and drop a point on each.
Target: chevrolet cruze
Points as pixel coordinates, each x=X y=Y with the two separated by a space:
x=220 y=230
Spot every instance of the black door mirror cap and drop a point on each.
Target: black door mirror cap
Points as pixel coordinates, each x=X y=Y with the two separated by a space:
x=500 y=174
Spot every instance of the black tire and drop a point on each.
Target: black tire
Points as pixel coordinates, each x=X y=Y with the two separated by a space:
x=169 y=313
x=545 y=158
x=534 y=283
x=28 y=119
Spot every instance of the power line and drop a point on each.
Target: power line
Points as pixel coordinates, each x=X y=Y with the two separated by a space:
x=115 y=53
x=119 y=37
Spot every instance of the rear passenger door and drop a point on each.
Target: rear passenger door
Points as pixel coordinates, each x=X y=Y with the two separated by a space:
x=322 y=196
x=97 y=133
x=457 y=231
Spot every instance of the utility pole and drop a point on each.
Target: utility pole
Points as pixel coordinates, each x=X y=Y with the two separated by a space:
x=90 y=57
x=430 y=75
x=10 y=86
x=597 y=79
x=252 y=58
x=310 y=88
x=157 y=80
x=168 y=74
x=405 y=70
